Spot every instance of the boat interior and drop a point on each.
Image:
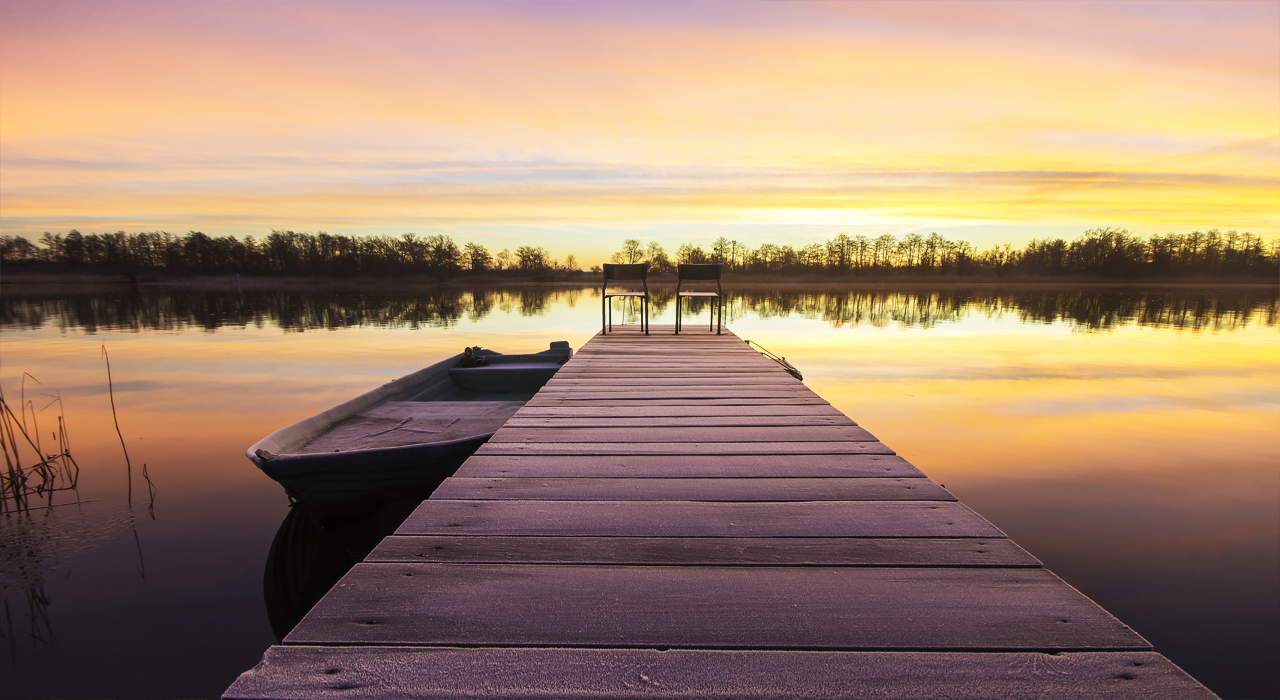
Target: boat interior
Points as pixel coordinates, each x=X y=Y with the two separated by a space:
x=453 y=403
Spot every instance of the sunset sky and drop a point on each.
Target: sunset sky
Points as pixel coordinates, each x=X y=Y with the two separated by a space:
x=573 y=125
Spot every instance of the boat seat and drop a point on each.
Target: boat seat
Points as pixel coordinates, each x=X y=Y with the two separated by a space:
x=504 y=377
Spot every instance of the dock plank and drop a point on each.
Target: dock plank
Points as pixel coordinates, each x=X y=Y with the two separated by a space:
x=687 y=391
x=698 y=519
x=433 y=673
x=705 y=466
x=589 y=369
x=705 y=551
x=674 y=421
x=736 y=379
x=848 y=608
x=677 y=409
x=607 y=371
x=683 y=434
x=683 y=448
x=578 y=489
x=541 y=400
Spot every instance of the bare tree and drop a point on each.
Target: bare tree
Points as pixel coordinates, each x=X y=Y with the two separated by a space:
x=477 y=257
x=632 y=252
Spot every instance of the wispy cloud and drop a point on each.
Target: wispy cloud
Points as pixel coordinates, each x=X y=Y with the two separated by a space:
x=484 y=114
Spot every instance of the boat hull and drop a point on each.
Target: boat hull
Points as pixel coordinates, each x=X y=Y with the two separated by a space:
x=331 y=482
x=330 y=485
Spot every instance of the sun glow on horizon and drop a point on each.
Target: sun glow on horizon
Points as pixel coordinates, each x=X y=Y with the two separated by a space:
x=522 y=121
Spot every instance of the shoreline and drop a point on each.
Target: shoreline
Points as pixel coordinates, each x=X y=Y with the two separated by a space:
x=89 y=283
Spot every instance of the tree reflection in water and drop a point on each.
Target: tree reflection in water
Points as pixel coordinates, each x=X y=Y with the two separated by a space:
x=180 y=308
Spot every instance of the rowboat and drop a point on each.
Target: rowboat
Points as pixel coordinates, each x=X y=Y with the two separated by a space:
x=406 y=435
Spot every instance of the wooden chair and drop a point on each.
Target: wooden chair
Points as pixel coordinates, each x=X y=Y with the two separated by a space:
x=700 y=273
x=636 y=271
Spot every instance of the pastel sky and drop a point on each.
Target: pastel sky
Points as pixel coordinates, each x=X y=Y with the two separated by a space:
x=574 y=125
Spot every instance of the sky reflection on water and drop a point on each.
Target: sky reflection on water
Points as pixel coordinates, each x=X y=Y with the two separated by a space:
x=1127 y=439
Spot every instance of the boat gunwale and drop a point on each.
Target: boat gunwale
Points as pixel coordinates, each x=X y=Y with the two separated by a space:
x=300 y=433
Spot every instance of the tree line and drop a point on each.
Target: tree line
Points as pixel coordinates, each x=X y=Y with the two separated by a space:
x=281 y=253
x=1103 y=252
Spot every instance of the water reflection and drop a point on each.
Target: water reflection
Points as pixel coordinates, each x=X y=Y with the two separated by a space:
x=307 y=558
x=1139 y=466
x=177 y=309
x=36 y=544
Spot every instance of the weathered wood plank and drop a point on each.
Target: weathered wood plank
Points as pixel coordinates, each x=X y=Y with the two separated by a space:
x=657 y=337
x=540 y=400
x=691 y=389
x=698 y=519
x=709 y=466
x=672 y=410
x=641 y=375
x=686 y=391
x=577 y=383
x=433 y=673
x=571 y=489
x=638 y=376
x=635 y=366
x=705 y=551
x=691 y=394
x=852 y=608
x=689 y=353
x=727 y=352
x=680 y=350
x=691 y=449
x=685 y=434
x=665 y=330
x=735 y=350
x=694 y=358
x=675 y=421
x=691 y=360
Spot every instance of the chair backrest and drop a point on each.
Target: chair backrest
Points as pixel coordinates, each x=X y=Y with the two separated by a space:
x=698 y=272
x=633 y=271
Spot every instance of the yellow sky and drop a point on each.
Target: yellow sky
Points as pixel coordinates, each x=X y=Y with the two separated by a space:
x=574 y=125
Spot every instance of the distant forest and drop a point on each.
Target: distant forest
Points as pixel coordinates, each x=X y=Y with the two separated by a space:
x=1100 y=252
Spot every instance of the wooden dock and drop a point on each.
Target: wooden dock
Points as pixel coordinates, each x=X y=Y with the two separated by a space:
x=676 y=516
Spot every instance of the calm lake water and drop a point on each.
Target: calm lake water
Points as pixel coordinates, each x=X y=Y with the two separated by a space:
x=1127 y=438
